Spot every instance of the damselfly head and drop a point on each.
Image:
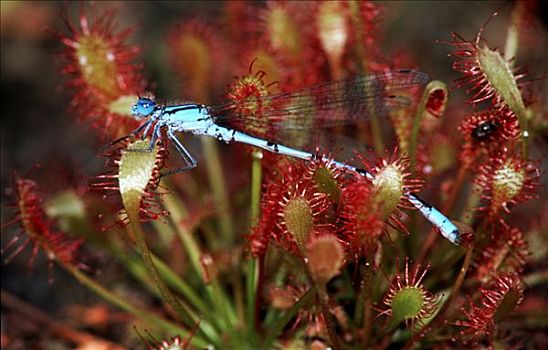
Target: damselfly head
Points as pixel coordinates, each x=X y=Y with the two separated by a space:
x=143 y=108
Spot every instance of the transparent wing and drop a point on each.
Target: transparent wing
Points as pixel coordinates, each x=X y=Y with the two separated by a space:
x=324 y=105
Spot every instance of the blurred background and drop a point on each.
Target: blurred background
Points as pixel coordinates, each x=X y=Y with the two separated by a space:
x=37 y=129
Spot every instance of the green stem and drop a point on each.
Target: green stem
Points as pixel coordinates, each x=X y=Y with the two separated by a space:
x=441 y=319
x=368 y=306
x=216 y=296
x=178 y=214
x=511 y=46
x=361 y=59
x=376 y=133
x=323 y=299
x=256 y=182
x=512 y=37
x=251 y=293
x=277 y=328
x=364 y=306
x=456 y=286
x=238 y=291
x=122 y=303
x=530 y=320
x=217 y=180
x=358 y=32
x=441 y=267
x=472 y=201
x=328 y=318
x=134 y=265
x=146 y=255
x=536 y=278
x=181 y=286
x=510 y=52
x=138 y=271
x=165 y=233
x=252 y=268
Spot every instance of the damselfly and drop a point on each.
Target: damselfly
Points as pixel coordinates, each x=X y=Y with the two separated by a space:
x=327 y=104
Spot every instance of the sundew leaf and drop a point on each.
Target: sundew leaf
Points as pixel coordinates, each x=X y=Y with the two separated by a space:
x=499 y=73
x=135 y=172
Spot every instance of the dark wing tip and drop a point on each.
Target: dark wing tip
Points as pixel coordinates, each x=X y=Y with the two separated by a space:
x=416 y=76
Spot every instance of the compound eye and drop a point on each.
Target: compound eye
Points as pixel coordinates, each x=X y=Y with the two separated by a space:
x=143 y=107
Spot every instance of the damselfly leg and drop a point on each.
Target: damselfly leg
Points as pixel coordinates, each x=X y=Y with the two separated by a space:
x=134 y=133
x=190 y=162
x=155 y=135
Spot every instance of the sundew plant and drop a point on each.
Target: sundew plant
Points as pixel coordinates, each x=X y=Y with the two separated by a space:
x=274 y=175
